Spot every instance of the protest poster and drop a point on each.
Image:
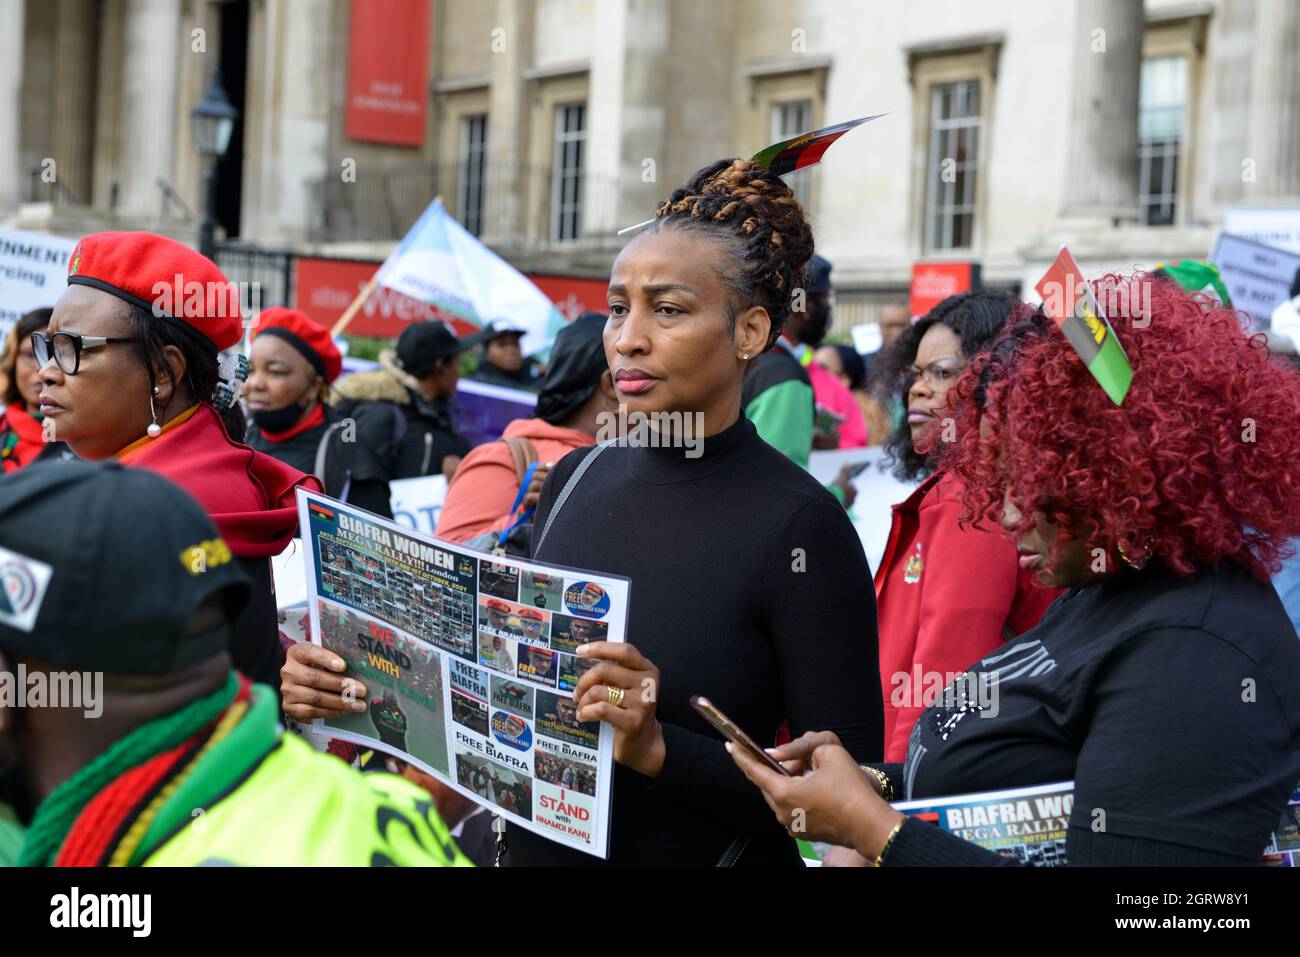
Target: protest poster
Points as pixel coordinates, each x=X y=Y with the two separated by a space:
x=1026 y=824
x=1276 y=226
x=1029 y=825
x=867 y=338
x=875 y=483
x=417 y=502
x=33 y=272
x=1258 y=277
x=468 y=664
x=1284 y=847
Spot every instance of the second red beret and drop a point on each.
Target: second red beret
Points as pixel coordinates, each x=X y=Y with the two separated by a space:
x=306 y=335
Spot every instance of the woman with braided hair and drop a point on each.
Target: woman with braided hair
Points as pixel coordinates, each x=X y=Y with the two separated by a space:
x=749 y=578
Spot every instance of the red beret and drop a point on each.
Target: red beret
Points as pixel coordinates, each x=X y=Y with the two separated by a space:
x=163 y=276
x=496 y=604
x=306 y=335
x=531 y=613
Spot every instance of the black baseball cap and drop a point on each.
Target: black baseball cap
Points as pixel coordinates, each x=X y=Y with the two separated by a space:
x=103 y=566
x=817 y=275
x=576 y=366
x=501 y=327
x=423 y=343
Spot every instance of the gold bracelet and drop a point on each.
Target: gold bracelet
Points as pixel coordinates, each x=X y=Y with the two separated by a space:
x=884 y=786
x=880 y=858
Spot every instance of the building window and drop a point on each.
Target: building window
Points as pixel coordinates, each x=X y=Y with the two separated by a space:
x=954 y=149
x=567 y=170
x=471 y=170
x=1161 y=102
x=790 y=119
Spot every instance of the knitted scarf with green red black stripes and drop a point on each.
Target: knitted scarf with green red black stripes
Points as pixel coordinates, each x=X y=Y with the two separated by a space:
x=154 y=752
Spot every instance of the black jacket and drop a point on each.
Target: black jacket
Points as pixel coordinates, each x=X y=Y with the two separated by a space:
x=427 y=434
x=1172 y=702
x=359 y=454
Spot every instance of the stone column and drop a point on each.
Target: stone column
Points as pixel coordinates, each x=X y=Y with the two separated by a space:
x=1102 y=172
x=644 y=116
x=149 y=135
x=11 y=81
x=508 y=180
x=109 y=108
x=286 y=123
x=1273 y=140
x=73 y=119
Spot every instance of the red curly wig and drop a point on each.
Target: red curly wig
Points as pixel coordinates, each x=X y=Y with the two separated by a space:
x=1200 y=463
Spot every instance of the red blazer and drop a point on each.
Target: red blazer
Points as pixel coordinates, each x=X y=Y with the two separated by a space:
x=945 y=598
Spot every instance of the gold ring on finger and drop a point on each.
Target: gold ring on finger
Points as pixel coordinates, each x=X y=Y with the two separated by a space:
x=616 y=696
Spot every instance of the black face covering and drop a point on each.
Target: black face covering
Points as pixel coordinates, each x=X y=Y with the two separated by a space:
x=279 y=420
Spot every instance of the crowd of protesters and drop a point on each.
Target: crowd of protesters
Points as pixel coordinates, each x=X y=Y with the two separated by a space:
x=1107 y=567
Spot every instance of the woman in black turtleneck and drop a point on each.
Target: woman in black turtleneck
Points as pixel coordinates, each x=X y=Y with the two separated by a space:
x=749 y=584
x=292 y=362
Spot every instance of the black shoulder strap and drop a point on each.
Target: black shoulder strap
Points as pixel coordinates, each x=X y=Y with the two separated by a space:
x=322 y=454
x=565 y=492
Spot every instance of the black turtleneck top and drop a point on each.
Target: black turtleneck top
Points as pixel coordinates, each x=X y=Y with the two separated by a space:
x=749 y=586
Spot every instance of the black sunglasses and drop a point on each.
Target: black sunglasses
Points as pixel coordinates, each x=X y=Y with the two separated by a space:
x=67 y=348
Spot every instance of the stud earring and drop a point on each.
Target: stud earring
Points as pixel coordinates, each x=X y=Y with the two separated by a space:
x=744 y=356
x=156 y=390
x=154 y=429
x=1138 y=563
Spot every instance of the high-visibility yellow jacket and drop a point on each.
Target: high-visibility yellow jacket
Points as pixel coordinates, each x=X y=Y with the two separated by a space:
x=263 y=797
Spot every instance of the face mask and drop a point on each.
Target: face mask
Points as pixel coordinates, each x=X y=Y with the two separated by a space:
x=282 y=419
x=279 y=420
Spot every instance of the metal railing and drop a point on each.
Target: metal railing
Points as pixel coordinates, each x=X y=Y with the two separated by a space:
x=39 y=190
x=853 y=307
x=268 y=273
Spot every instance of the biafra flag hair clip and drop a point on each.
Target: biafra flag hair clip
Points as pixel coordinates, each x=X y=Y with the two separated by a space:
x=796 y=153
x=1069 y=301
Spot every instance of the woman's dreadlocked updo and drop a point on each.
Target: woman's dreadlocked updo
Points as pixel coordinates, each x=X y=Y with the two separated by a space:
x=758 y=214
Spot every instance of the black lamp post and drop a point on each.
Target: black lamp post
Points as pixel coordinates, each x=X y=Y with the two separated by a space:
x=213 y=122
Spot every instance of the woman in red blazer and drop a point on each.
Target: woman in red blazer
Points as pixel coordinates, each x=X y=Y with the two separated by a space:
x=945 y=596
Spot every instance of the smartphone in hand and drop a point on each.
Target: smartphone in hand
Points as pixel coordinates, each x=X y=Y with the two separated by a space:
x=732 y=732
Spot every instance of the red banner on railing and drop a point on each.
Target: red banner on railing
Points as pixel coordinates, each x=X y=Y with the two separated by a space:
x=325 y=287
x=388 y=56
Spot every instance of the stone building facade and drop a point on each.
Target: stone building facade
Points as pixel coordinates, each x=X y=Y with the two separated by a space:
x=1119 y=127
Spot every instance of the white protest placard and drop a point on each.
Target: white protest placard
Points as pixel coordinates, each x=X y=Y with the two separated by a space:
x=1277 y=226
x=1258 y=277
x=33 y=272
x=867 y=338
x=417 y=502
x=876 y=488
x=469 y=665
x=288 y=576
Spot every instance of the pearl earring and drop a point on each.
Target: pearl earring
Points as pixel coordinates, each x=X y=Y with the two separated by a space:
x=154 y=429
x=744 y=356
